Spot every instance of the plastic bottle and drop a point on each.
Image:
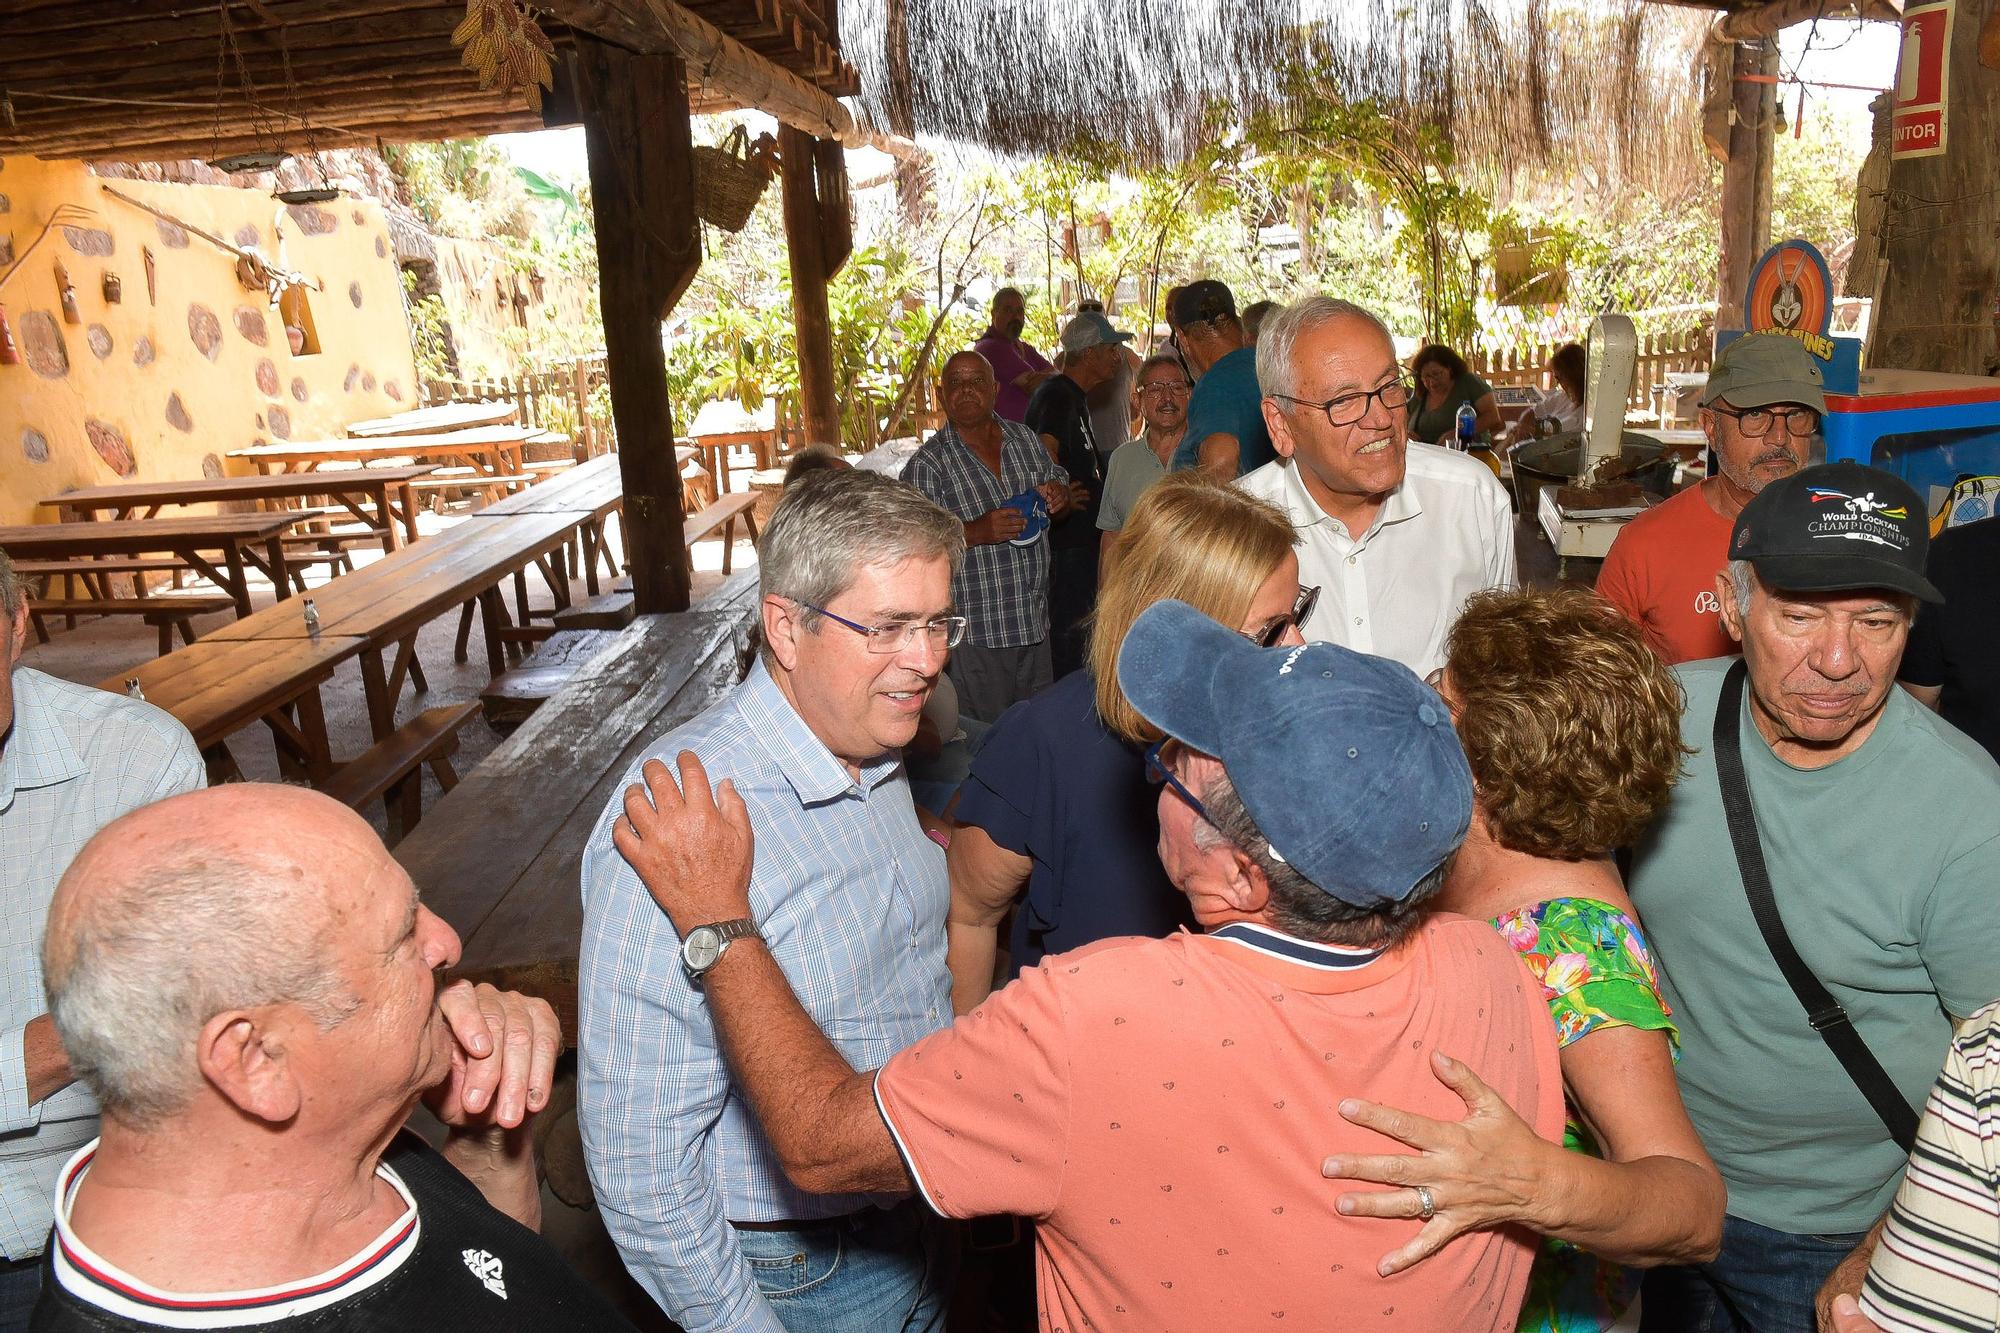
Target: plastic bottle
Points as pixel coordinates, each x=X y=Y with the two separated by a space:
x=1468 y=425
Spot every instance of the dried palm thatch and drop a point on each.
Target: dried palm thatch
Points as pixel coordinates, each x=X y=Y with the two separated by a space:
x=1518 y=84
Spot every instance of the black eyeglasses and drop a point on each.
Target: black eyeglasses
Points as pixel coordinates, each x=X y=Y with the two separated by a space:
x=1348 y=408
x=1274 y=629
x=945 y=632
x=1801 y=423
x=1156 y=771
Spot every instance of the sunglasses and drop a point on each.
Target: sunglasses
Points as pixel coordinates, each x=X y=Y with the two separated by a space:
x=1274 y=629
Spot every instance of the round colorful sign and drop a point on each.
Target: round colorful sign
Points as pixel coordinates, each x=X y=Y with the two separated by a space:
x=1791 y=292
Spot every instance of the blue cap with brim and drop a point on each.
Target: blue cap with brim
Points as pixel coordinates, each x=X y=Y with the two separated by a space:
x=1347 y=763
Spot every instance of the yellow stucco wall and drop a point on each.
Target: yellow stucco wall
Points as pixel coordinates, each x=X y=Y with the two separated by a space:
x=163 y=388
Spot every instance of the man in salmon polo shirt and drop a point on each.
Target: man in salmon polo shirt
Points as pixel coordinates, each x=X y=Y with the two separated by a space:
x=1160 y=1106
x=1760 y=411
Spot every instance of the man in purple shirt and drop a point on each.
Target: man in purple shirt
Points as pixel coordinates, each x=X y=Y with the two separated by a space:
x=1019 y=367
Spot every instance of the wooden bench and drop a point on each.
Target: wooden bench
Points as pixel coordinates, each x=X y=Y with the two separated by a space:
x=90 y=573
x=722 y=514
x=515 y=694
x=387 y=770
x=498 y=857
x=488 y=486
x=165 y=614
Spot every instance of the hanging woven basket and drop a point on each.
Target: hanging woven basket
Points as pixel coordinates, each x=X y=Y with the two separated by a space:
x=730 y=178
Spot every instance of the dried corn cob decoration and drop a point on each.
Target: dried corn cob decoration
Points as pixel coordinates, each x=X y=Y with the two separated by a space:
x=506 y=47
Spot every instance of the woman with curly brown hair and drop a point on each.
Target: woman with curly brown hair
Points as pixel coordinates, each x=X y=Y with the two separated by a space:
x=1572 y=726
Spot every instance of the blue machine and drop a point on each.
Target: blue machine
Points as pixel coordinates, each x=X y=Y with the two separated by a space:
x=1928 y=429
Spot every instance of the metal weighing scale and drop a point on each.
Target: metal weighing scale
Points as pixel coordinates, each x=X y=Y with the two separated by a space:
x=1583 y=525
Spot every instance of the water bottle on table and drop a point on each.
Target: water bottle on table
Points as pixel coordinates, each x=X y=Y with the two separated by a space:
x=1468 y=426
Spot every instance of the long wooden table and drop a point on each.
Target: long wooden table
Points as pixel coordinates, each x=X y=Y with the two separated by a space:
x=255 y=539
x=432 y=420
x=349 y=488
x=497 y=857
x=218 y=687
x=591 y=492
x=494 y=450
x=386 y=603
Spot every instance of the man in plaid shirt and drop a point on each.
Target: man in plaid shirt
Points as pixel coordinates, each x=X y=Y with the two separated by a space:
x=972 y=467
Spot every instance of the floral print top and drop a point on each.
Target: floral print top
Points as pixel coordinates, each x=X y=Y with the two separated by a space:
x=1596 y=972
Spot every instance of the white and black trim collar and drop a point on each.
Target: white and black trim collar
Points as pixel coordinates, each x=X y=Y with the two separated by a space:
x=89 y=1278
x=1306 y=953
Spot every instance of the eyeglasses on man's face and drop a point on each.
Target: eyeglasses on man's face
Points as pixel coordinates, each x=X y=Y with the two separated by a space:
x=942 y=634
x=1347 y=408
x=1157 y=771
x=1272 y=632
x=1166 y=386
x=1756 y=422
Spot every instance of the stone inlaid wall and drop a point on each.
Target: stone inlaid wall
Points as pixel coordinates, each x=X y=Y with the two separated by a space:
x=163 y=387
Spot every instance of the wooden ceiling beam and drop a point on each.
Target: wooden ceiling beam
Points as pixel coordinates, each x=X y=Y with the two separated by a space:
x=324 y=105
x=125 y=26
x=450 y=122
x=714 y=60
x=193 y=83
x=259 y=50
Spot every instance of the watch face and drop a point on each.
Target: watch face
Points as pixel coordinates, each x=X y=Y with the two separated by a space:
x=702 y=947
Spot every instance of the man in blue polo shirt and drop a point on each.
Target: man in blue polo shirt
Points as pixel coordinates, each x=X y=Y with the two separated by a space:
x=1226 y=435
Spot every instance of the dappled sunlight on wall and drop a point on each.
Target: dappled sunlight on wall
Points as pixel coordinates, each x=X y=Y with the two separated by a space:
x=186 y=363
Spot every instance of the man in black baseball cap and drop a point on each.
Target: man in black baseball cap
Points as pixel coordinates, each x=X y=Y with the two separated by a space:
x=1875 y=826
x=1226 y=435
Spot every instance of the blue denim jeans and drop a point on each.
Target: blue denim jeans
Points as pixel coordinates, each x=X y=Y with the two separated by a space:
x=876 y=1271
x=1764 y=1281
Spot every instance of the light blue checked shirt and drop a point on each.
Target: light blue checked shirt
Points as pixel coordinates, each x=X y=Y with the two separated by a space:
x=75 y=759
x=850 y=896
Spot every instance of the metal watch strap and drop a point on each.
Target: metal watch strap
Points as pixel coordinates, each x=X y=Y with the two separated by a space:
x=1823 y=1013
x=739 y=929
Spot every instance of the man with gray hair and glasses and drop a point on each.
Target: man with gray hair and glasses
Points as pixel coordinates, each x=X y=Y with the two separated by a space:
x=848 y=896
x=1395 y=533
x=72 y=759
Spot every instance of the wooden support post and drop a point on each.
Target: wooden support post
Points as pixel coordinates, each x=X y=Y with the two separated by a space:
x=640 y=144
x=810 y=319
x=1740 y=242
x=1940 y=303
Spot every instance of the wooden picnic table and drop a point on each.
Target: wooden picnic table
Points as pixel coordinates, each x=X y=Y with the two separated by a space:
x=349 y=488
x=589 y=491
x=218 y=687
x=433 y=420
x=495 y=450
x=497 y=856
x=386 y=603
x=238 y=537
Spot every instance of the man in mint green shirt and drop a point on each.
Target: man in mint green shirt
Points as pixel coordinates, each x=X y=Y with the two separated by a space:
x=1880 y=827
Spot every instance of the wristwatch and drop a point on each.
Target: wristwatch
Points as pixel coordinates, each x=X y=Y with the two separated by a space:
x=704 y=945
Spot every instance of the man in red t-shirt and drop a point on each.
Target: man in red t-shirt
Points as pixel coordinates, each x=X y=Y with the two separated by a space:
x=1158 y=1105
x=1760 y=412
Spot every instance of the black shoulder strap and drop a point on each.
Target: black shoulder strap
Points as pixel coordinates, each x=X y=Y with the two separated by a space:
x=1823 y=1012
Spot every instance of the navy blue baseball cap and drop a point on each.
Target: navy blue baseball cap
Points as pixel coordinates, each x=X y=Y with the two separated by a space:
x=1347 y=763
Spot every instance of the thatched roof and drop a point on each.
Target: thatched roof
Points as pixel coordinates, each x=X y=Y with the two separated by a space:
x=1514 y=81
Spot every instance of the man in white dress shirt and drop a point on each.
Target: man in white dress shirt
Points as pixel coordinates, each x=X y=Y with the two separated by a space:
x=1396 y=534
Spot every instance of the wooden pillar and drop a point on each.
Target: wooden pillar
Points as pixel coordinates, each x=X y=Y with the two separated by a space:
x=640 y=145
x=1940 y=306
x=1746 y=175
x=810 y=269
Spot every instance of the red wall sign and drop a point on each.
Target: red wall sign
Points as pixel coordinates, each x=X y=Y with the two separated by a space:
x=1921 y=79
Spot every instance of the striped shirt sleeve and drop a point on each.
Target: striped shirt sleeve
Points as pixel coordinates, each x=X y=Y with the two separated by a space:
x=1938 y=1266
